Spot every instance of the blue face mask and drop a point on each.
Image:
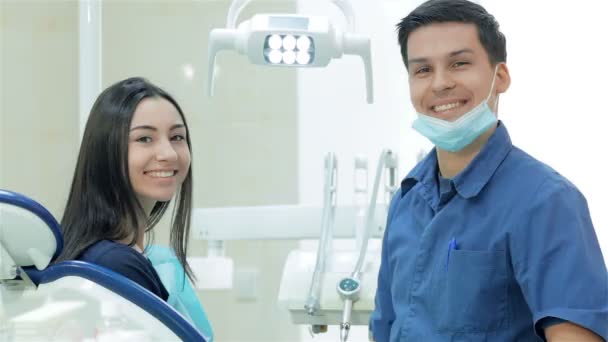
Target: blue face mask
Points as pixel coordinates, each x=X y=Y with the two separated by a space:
x=455 y=135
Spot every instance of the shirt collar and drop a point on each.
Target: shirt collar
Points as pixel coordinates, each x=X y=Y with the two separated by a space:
x=475 y=176
x=424 y=172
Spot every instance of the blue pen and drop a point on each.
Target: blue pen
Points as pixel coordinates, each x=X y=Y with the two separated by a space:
x=451 y=247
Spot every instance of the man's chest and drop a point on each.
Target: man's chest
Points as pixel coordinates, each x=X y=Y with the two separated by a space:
x=452 y=265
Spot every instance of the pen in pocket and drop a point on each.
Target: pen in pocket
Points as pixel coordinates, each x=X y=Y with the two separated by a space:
x=451 y=246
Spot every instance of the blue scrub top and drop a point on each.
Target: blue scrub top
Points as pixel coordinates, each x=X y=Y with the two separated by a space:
x=491 y=255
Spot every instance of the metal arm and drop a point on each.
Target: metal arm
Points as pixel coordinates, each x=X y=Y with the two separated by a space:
x=237 y=6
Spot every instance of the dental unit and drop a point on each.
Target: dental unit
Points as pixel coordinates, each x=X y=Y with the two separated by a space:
x=326 y=286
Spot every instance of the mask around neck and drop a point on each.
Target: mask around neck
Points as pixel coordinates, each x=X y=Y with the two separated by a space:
x=455 y=135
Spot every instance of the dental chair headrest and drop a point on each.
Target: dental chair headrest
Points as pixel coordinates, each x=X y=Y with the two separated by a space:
x=28 y=232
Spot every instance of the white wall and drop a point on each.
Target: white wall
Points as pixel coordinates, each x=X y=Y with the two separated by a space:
x=555 y=108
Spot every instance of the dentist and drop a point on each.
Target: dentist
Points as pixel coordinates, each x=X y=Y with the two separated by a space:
x=483 y=242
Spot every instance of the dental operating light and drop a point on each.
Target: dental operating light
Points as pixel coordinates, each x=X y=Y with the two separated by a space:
x=290 y=40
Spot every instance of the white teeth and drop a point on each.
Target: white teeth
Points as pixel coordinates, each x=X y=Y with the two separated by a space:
x=448 y=106
x=161 y=174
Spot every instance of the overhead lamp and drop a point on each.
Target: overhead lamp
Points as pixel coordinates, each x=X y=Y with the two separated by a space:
x=290 y=40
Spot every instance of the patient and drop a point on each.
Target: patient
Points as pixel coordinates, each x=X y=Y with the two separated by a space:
x=134 y=159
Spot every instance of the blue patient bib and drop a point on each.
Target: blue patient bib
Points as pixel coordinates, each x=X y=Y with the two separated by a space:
x=181 y=294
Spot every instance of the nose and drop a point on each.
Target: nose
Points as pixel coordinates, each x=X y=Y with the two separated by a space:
x=165 y=151
x=442 y=81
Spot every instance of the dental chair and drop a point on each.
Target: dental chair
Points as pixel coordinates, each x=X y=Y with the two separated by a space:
x=70 y=300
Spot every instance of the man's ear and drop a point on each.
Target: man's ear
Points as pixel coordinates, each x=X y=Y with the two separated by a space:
x=503 y=78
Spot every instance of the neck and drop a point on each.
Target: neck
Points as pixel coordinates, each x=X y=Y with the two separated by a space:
x=452 y=163
x=139 y=240
x=147 y=206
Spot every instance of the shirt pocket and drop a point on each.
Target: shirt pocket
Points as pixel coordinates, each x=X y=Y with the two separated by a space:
x=476 y=290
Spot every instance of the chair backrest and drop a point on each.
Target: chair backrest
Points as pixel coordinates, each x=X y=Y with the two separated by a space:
x=29 y=234
x=30 y=239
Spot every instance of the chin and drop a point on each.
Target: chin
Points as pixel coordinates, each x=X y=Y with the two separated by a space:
x=161 y=197
x=164 y=198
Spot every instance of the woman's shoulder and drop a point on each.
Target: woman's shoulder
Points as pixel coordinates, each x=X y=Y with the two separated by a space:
x=104 y=250
x=125 y=260
x=117 y=257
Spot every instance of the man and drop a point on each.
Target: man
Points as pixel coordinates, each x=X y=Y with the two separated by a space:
x=483 y=242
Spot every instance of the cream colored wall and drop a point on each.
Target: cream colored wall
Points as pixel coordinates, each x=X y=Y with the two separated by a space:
x=38 y=98
x=244 y=138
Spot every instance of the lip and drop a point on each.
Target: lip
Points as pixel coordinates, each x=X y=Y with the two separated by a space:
x=448 y=101
x=450 y=114
x=168 y=180
x=162 y=170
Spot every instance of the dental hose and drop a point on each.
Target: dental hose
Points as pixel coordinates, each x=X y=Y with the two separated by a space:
x=369 y=216
x=329 y=202
x=349 y=288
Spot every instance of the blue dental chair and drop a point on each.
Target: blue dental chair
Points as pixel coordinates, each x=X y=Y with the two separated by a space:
x=70 y=300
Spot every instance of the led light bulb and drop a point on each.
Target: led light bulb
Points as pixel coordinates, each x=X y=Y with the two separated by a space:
x=303 y=43
x=275 y=56
x=289 y=42
x=275 y=41
x=289 y=57
x=303 y=57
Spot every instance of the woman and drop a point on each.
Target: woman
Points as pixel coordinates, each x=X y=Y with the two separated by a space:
x=134 y=158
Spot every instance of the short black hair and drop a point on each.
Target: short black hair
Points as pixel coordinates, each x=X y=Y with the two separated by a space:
x=461 y=11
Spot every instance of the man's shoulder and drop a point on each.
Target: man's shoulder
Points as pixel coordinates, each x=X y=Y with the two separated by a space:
x=530 y=173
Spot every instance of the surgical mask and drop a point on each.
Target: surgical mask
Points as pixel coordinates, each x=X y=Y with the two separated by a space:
x=455 y=135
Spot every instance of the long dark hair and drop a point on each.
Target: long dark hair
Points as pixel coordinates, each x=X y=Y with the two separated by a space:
x=102 y=203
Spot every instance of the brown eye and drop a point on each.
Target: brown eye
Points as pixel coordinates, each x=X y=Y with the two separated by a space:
x=144 y=140
x=460 y=64
x=422 y=70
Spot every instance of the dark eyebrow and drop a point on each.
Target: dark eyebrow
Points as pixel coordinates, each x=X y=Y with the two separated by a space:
x=176 y=126
x=460 y=52
x=423 y=60
x=152 y=128
x=417 y=60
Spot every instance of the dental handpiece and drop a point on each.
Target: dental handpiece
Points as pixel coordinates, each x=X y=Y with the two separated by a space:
x=345 y=325
x=349 y=289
